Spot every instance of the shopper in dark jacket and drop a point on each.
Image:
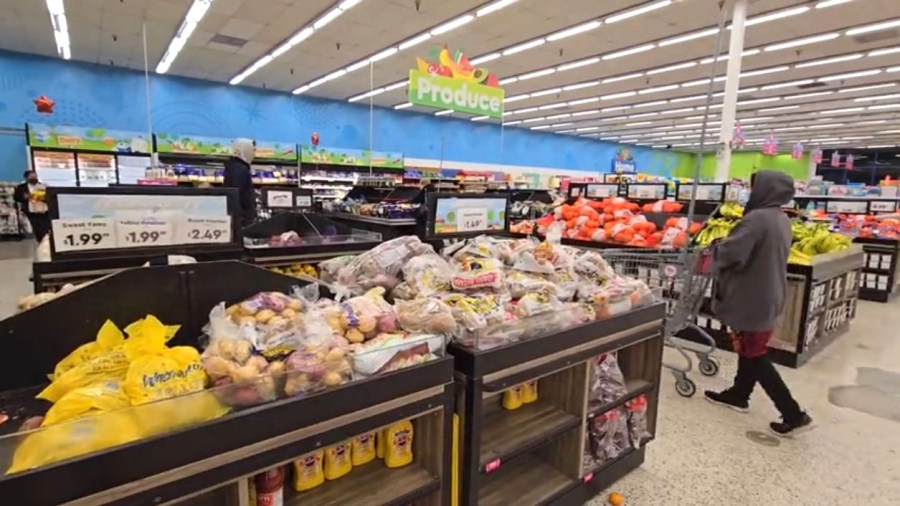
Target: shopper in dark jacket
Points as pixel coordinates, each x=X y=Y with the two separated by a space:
x=238 y=175
x=751 y=286
x=34 y=208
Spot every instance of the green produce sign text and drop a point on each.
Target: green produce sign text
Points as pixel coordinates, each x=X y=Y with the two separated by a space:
x=455 y=94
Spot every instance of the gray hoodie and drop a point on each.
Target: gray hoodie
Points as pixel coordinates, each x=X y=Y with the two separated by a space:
x=751 y=264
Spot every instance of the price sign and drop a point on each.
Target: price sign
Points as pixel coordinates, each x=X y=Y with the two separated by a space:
x=882 y=206
x=83 y=234
x=204 y=229
x=303 y=201
x=138 y=230
x=472 y=220
x=601 y=191
x=279 y=198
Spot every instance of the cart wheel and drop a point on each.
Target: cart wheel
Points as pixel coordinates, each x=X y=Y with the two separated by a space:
x=685 y=387
x=708 y=367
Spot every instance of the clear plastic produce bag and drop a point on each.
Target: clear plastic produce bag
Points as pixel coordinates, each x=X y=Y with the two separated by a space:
x=608 y=433
x=607 y=382
x=637 y=420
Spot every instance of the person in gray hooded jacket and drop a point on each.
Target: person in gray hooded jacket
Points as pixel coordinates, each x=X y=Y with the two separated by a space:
x=750 y=268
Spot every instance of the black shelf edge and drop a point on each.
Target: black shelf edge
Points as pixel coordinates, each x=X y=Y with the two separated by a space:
x=535 y=440
x=596 y=483
x=635 y=388
x=347 y=489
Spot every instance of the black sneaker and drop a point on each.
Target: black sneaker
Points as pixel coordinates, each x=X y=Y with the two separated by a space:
x=784 y=429
x=727 y=400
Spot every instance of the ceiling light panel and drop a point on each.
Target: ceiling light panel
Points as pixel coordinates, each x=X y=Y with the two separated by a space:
x=194 y=14
x=885 y=25
x=802 y=41
x=60 y=26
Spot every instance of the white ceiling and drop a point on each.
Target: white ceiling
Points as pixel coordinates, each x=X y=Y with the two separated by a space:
x=111 y=32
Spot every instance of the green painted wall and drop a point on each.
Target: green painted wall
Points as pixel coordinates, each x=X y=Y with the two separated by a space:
x=743 y=165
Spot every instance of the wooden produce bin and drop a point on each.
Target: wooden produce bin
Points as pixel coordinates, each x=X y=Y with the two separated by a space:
x=209 y=463
x=535 y=454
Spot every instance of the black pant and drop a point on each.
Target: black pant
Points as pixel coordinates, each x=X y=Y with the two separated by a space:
x=761 y=370
x=40 y=225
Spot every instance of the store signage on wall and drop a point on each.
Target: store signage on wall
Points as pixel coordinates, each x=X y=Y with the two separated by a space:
x=192 y=144
x=450 y=82
x=276 y=151
x=623 y=163
x=351 y=157
x=86 y=139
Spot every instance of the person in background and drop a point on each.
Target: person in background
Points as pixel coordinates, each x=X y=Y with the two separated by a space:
x=30 y=197
x=750 y=266
x=238 y=175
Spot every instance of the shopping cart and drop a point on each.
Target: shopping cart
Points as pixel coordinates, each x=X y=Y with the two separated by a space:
x=683 y=280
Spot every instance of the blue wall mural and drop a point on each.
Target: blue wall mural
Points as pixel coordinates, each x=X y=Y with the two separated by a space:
x=110 y=97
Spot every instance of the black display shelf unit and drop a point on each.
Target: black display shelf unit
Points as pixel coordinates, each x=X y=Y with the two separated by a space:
x=535 y=454
x=210 y=463
x=709 y=196
x=384 y=229
x=878 y=280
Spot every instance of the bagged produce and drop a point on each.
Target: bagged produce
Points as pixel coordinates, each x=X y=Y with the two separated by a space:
x=392 y=351
x=380 y=266
x=269 y=320
x=607 y=381
x=637 y=420
x=428 y=315
x=478 y=274
x=108 y=337
x=328 y=270
x=521 y=282
x=538 y=302
x=86 y=401
x=608 y=435
x=362 y=317
x=482 y=246
x=320 y=362
x=423 y=276
x=476 y=311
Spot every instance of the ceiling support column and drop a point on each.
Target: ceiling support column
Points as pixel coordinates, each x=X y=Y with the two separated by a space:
x=732 y=81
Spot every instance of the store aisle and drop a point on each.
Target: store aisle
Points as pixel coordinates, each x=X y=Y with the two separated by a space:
x=15 y=273
x=708 y=455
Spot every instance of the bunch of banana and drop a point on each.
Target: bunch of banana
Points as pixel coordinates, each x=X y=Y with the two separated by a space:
x=731 y=210
x=297 y=270
x=715 y=228
x=822 y=241
x=795 y=256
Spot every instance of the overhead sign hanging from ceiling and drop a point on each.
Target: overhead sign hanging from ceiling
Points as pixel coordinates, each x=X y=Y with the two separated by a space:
x=450 y=82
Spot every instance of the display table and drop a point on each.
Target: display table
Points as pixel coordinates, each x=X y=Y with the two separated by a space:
x=209 y=462
x=535 y=454
x=386 y=228
x=879 y=276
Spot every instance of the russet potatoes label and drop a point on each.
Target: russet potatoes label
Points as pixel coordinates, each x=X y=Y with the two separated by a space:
x=458 y=95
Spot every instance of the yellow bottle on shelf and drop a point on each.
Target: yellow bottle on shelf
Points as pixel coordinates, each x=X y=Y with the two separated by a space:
x=398 y=444
x=308 y=472
x=337 y=460
x=512 y=398
x=363 y=449
x=530 y=392
x=379 y=443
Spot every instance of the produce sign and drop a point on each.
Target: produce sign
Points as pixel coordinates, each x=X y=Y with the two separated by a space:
x=192 y=145
x=452 y=83
x=276 y=151
x=623 y=163
x=460 y=216
x=86 y=139
x=351 y=157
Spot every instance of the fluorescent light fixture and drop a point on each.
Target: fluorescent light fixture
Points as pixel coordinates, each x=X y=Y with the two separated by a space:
x=618 y=95
x=542 y=93
x=782 y=108
x=540 y=127
x=383 y=54
x=775 y=15
x=789 y=129
x=61 y=29
x=526 y=110
x=560 y=125
x=882 y=52
x=638 y=11
x=744 y=54
x=851 y=75
x=857 y=137
x=575 y=30
x=557 y=105
x=629 y=51
x=579 y=63
x=534 y=120
x=843 y=111
x=882 y=107
x=874 y=28
x=559 y=116
x=377 y=91
x=788 y=84
x=484 y=59
x=403 y=106
x=617 y=108
x=479 y=118
x=802 y=41
x=658 y=89
x=508 y=80
x=516 y=98
x=524 y=46
x=893 y=69
x=672 y=67
x=358 y=65
x=864 y=88
x=829 y=3
x=537 y=73
x=327 y=18
x=621 y=78
x=511 y=123
x=678 y=111
x=396 y=85
x=652 y=104
x=758 y=101
x=827 y=125
x=614 y=118
x=878 y=97
x=687 y=99
x=418 y=39
x=443 y=113
x=194 y=14
x=698 y=82
x=638 y=123
x=496 y=6
x=303 y=89
x=889 y=132
x=585 y=113
x=583 y=101
x=827 y=61
x=689 y=36
x=760 y=72
x=452 y=24
x=807 y=95
x=587 y=129
x=755 y=119
x=579 y=86
x=643 y=115
x=871 y=122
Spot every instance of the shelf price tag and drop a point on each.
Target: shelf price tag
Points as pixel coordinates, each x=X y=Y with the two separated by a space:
x=588 y=477
x=472 y=220
x=492 y=466
x=204 y=230
x=138 y=230
x=83 y=234
x=303 y=201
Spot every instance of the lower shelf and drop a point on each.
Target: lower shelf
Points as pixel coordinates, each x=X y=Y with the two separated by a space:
x=370 y=485
x=525 y=480
x=508 y=433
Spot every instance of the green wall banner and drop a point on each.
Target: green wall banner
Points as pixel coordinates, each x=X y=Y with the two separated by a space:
x=86 y=139
x=351 y=157
x=192 y=144
x=451 y=82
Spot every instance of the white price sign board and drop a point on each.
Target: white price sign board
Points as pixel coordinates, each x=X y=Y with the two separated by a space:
x=203 y=230
x=601 y=191
x=472 y=220
x=882 y=206
x=852 y=206
x=646 y=192
x=83 y=234
x=279 y=198
x=303 y=201
x=138 y=230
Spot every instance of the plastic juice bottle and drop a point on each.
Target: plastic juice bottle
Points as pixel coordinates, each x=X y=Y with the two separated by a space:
x=530 y=392
x=512 y=398
x=308 y=471
x=363 y=449
x=398 y=444
x=270 y=487
x=379 y=443
x=337 y=460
